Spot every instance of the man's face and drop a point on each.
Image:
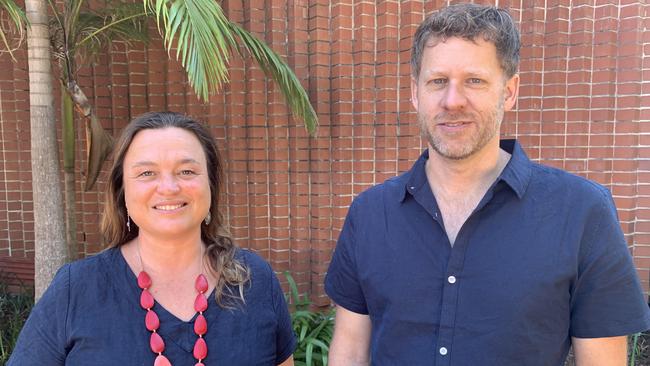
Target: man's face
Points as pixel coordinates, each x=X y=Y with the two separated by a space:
x=460 y=97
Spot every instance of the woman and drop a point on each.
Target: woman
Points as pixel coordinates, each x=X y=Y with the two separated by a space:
x=143 y=301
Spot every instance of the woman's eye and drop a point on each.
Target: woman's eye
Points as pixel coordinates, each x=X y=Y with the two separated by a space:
x=187 y=172
x=147 y=173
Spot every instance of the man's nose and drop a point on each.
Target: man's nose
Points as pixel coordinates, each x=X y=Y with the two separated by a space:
x=454 y=97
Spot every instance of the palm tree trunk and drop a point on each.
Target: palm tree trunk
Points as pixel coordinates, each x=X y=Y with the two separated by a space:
x=49 y=247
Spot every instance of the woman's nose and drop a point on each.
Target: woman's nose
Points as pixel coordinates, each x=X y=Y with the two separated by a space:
x=168 y=183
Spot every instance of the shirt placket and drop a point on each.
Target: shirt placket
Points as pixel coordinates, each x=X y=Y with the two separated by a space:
x=448 y=308
x=452 y=279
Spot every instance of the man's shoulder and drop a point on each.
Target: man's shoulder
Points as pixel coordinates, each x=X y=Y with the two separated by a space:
x=391 y=187
x=549 y=179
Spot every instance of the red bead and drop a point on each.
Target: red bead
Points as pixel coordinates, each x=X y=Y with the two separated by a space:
x=151 y=320
x=201 y=283
x=200 y=325
x=144 y=281
x=156 y=343
x=200 y=303
x=200 y=349
x=146 y=300
x=161 y=361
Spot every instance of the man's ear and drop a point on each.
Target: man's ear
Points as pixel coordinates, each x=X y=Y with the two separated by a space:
x=511 y=92
x=414 y=92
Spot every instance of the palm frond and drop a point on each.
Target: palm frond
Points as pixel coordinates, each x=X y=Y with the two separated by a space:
x=82 y=31
x=57 y=31
x=273 y=65
x=97 y=28
x=18 y=19
x=198 y=29
x=203 y=38
x=72 y=12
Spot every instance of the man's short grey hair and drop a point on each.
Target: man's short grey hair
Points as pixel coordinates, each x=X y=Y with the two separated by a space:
x=470 y=21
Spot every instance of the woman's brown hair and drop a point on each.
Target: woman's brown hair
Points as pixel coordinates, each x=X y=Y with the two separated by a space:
x=220 y=248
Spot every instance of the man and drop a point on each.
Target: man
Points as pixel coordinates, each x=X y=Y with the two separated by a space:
x=477 y=256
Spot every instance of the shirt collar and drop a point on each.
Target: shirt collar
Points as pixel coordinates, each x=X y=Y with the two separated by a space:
x=516 y=174
x=519 y=169
x=416 y=178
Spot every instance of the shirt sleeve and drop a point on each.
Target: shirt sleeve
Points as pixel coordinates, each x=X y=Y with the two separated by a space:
x=342 y=282
x=607 y=298
x=285 y=338
x=42 y=341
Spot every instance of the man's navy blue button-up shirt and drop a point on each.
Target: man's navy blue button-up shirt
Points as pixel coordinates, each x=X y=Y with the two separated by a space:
x=540 y=260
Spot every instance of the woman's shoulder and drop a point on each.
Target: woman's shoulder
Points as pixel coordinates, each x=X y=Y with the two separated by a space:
x=76 y=281
x=253 y=261
x=262 y=276
x=95 y=269
x=95 y=263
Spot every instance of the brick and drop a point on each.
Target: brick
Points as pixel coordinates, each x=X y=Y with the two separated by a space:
x=582 y=107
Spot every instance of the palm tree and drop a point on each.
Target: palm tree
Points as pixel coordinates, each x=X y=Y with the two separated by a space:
x=79 y=32
x=204 y=39
x=18 y=19
x=49 y=246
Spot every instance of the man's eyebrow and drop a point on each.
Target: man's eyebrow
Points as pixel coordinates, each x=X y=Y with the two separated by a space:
x=440 y=71
x=478 y=73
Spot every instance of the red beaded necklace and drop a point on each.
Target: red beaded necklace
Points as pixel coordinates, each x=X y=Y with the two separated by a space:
x=153 y=323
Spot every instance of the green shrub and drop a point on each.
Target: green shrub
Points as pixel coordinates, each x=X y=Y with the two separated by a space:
x=639 y=349
x=313 y=329
x=14 y=309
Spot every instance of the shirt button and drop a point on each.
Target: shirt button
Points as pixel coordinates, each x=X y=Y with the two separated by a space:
x=451 y=279
x=443 y=351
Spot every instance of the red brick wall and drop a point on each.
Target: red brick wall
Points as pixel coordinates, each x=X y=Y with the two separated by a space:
x=581 y=108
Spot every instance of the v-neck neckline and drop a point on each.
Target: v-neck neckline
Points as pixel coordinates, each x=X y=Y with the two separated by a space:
x=172 y=328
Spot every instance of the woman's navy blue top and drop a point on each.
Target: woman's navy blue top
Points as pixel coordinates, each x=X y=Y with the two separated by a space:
x=90 y=315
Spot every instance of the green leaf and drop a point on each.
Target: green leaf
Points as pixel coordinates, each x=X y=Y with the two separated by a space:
x=204 y=38
x=18 y=19
x=314 y=329
x=308 y=354
x=87 y=30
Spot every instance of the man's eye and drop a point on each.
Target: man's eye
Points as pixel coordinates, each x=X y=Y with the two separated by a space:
x=439 y=81
x=187 y=172
x=147 y=173
x=475 y=81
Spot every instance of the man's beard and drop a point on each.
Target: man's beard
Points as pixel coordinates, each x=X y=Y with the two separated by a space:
x=477 y=141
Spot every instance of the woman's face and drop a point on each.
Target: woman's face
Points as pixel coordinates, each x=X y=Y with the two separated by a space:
x=166 y=183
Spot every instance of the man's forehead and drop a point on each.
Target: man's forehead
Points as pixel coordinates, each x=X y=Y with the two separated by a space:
x=436 y=40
